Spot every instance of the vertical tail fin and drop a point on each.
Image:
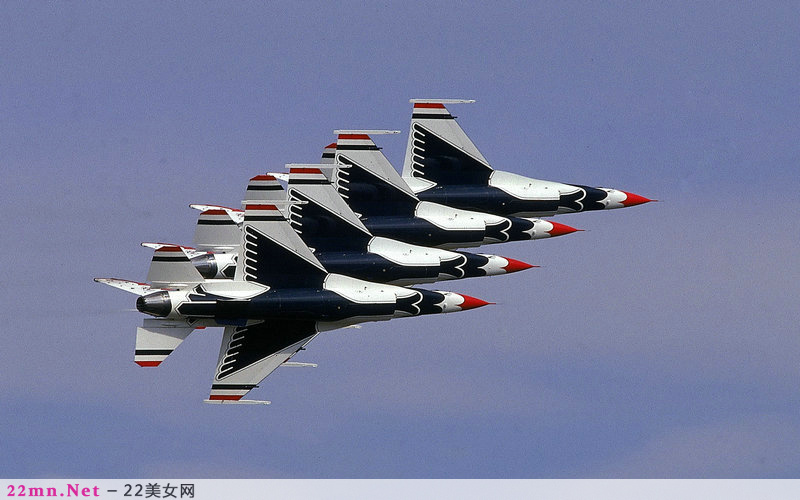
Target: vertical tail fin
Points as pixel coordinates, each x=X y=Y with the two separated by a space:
x=217 y=228
x=320 y=215
x=367 y=180
x=171 y=267
x=264 y=188
x=438 y=150
x=273 y=253
x=329 y=154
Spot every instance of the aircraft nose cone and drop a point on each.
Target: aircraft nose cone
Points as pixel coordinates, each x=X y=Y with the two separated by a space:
x=634 y=199
x=472 y=302
x=561 y=229
x=516 y=265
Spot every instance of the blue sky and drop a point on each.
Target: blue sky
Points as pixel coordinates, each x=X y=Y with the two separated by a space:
x=661 y=342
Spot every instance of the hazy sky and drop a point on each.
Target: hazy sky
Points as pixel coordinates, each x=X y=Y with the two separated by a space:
x=661 y=342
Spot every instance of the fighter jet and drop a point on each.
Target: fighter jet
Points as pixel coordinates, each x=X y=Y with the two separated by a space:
x=344 y=245
x=336 y=236
x=442 y=165
x=387 y=207
x=217 y=234
x=281 y=297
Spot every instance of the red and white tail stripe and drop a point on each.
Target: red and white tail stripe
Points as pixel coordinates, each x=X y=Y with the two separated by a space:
x=430 y=110
x=189 y=252
x=216 y=217
x=309 y=174
x=358 y=139
x=146 y=360
x=217 y=228
x=264 y=188
x=217 y=210
x=434 y=108
x=229 y=392
x=262 y=211
x=170 y=267
x=354 y=141
x=171 y=253
x=329 y=154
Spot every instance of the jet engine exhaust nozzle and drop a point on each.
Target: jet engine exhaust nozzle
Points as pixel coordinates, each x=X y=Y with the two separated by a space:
x=207 y=265
x=156 y=304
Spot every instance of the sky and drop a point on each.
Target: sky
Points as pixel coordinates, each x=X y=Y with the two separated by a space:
x=661 y=342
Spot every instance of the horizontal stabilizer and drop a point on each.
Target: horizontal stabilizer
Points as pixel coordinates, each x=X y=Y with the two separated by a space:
x=300 y=365
x=156 y=339
x=126 y=285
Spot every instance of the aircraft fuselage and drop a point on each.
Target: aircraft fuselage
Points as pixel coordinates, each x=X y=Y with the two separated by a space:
x=338 y=298
x=494 y=200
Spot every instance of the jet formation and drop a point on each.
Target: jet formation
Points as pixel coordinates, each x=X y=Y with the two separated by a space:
x=343 y=243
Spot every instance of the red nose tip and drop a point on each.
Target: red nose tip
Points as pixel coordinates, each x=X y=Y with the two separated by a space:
x=561 y=229
x=472 y=303
x=634 y=199
x=516 y=265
